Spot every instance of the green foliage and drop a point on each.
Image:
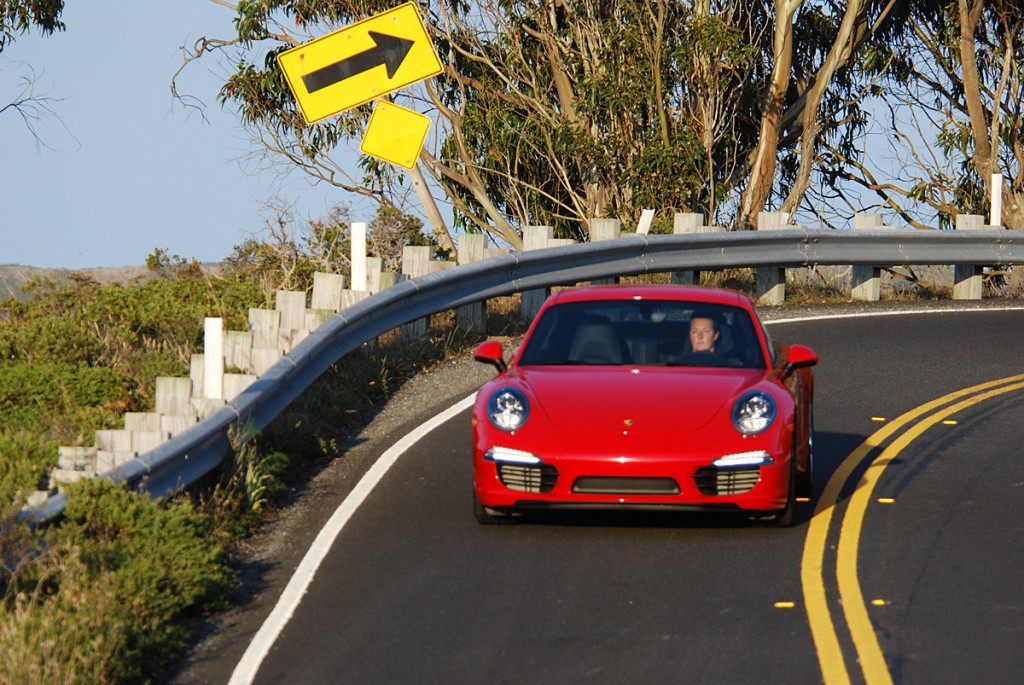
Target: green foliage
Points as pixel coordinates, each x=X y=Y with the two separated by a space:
x=25 y=463
x=74 y=358
x=167 y=265
x=20 y=16
x=253 y=482
x=119 y=577
x=59 y=399
x=287 y=256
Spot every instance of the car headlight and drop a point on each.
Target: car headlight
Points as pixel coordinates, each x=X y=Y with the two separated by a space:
x=508 y=408
x=754 y=412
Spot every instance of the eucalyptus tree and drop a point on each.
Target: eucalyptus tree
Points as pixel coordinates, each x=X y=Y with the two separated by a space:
x=21 y=16
x=956 y=93
x=557 y=111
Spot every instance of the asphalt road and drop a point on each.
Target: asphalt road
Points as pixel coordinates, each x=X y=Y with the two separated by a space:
x=915 y=580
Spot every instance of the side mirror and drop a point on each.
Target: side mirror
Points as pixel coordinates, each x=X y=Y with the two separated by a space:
x=799 y=357
x=490 y=353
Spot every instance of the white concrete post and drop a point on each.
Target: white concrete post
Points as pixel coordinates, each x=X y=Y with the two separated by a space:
x=213 y=356
x=358 y=239
x=605 y=229
x=646 y=218
x=375 y=281
x=471 y=247
x=172 y=395
x=996 y=213
x=238 y=349
x=327 y=291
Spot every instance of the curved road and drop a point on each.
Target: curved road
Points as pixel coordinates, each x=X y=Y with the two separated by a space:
x=903 y=568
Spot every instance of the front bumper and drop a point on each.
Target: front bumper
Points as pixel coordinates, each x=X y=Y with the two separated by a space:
x=600 y=471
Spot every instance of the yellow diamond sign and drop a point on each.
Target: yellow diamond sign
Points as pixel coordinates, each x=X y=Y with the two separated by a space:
x=359 y=63
x=395 y=134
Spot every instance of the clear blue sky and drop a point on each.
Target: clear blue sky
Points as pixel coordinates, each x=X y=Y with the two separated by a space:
x=134 y=171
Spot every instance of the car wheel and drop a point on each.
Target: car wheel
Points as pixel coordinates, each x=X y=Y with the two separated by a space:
x=805 y=482
x=785 y=518
x=486 y=516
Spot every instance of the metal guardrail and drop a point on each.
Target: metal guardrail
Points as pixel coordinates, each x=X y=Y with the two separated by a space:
x=191 y=454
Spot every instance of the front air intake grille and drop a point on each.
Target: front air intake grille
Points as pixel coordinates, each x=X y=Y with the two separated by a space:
x=601 y=485
x=532 y=478
x=727 y=481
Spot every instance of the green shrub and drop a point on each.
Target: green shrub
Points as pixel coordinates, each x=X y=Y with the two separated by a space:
x=146 y=566
x=38 y=396
x=25 y=462
x=66 y=628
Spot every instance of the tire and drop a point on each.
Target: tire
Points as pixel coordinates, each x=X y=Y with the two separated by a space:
x=805 y=481
x=487 y=516
x=785 y=518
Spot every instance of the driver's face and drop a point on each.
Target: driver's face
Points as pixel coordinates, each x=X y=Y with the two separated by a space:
x=702 y=335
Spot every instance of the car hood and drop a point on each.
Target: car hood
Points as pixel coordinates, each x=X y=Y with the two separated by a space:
x=642 y=398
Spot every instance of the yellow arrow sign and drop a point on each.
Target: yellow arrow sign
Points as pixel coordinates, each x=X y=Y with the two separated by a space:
x=359 y=63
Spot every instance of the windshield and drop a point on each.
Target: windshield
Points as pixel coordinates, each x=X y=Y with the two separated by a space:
x=644 y=333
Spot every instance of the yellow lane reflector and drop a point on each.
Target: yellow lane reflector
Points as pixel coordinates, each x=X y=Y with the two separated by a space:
x=803 y=499
x=879 y=602
x=785 y=605
x=878 y=419
x=949 y=423
x=886 y=500
x=823 y=632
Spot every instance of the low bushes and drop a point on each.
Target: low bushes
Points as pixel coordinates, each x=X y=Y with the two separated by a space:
x=105 y=596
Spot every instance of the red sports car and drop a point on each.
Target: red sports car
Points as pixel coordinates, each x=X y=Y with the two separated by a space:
x=653 y=396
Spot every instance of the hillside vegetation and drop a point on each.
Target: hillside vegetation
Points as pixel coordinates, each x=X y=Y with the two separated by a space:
x=109 y=593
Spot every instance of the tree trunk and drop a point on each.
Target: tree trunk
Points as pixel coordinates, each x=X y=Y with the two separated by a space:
x=851 y=33
x=762 y=173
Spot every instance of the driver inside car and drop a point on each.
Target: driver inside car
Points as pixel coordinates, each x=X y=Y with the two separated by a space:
x=703 y=333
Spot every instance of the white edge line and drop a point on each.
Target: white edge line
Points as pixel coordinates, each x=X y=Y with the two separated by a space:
x=245 y=671
x=906 y=312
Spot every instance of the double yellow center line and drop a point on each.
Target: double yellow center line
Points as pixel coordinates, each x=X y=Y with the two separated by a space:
x=823 y=631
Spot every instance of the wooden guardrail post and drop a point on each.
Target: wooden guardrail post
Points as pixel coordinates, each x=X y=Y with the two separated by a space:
x=327 y=289
x=605 y=229
x=292 y=305
x=213 y=358
x=534 y=238
x=683 y=223
x=771 y=280
x=968 y=278
x=866 y=280
x=416 y=263
x=472 y=317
